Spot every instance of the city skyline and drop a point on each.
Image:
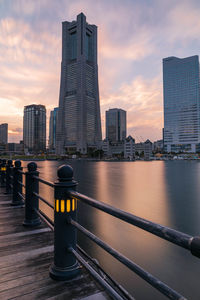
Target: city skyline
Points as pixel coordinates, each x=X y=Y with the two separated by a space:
x=131 y=49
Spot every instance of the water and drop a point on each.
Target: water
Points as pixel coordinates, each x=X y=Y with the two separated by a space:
x=163 y=192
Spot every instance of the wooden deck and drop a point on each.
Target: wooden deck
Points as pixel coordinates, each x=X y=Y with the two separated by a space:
x=25 y=257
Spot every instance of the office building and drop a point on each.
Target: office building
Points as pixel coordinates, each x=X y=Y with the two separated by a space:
x=4 y=133
x=181 y=88
x=34 y=128
x=116 y=125
x=52 y=129
x=79 y=123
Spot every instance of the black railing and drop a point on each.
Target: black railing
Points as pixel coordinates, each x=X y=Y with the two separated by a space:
x=67 y=253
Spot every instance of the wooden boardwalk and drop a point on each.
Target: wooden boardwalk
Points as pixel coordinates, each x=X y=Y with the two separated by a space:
x=25 y=257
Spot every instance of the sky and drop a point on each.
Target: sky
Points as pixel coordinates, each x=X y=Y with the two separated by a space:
x=133 y=38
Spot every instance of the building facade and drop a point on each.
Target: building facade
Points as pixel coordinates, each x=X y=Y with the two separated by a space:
x=144 y=149
x=52 y=129
x=4 y=133
x=158 y=146
x=79 y=123
x=181 y=89
x=116 y=125
x=34 y=128
x=129 y=148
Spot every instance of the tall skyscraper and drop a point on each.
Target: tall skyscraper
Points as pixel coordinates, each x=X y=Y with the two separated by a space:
x=52 y=128
x=115 y=125
x=181 y=88
x=4 y=133
x=79 y=123
x=34 y=128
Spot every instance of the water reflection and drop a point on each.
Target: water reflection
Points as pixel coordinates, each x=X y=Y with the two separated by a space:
x=164 y=192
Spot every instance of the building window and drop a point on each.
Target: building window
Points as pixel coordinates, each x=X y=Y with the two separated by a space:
x=88 y=48
x=73 y=43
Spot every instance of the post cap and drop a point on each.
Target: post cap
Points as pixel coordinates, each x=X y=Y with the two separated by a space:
x=10 y=162
x=65 y=173
x=32 y=166
x=18 y=163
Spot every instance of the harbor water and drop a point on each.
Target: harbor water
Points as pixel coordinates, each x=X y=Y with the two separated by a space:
x=165 y=192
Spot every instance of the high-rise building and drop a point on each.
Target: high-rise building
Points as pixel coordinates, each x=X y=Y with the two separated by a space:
x=116 y=125
x=52 y=128
x=181 y=88
x=34 y=128
x=4 y=133
x=79 y=123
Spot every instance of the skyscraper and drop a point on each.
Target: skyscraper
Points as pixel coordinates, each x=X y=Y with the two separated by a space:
x=4 y=133
x=79 y=123
x=181 y=88
x=34 y=128
x=116 y=125
x=52 y=128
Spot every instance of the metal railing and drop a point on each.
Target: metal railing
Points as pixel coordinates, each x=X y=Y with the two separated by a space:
x=67 y=253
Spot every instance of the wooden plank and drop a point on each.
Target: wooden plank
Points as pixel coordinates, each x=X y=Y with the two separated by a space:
x=24 y=233
x=73 y=289
x=23 y=256
x=26 y=243
x=24 y=271
x=27 y=265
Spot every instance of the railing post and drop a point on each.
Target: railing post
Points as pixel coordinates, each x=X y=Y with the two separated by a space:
x=3 y=173
x=31 y=200
x=17 y=187
x=65 y=265
x=8 y=174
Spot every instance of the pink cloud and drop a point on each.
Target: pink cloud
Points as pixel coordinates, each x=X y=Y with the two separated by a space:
x=142 y=99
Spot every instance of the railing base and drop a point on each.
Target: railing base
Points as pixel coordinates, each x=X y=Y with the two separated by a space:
x=32 y=223
x=61 y=274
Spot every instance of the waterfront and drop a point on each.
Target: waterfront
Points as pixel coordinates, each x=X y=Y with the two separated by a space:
x=163 y=192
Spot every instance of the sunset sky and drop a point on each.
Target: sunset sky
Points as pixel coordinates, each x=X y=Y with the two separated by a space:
x=133 y=37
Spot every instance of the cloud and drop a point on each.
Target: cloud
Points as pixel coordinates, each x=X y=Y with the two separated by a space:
x=142 y=99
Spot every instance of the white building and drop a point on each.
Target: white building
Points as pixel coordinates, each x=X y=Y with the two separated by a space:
x=144 y=148
x=129 y=148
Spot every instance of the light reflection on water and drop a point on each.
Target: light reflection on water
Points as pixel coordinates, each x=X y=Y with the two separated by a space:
x=163 y=192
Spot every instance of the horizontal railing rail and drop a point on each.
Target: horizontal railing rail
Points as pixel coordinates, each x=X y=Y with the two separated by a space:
x=67 y=253
x=48 y=221
x=21 y=172
x=44 y=181
x=102 y=282
x=155 y=282
x=176 y=237
x=105 y=275
x=21 y=183
x=43 y=200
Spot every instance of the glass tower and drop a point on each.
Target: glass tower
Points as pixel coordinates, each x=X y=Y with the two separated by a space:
x=52 y=128
x=34 y=128
x=116 y=125
x=79 y=123
x=4 y=133
x=181 y=89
